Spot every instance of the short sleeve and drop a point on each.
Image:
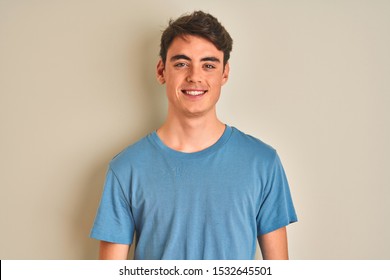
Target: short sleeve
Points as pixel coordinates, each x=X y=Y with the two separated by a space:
x=114 y=221
x=276 y=206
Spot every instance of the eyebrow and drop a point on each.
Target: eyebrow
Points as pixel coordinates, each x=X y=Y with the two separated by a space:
x=182 y=56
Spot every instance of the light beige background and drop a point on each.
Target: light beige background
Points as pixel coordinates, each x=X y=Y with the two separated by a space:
x=77 y=85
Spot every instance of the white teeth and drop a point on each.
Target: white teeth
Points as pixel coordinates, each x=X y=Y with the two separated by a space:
x=194 y=92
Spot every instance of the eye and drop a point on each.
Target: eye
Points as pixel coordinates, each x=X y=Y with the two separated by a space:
x=209 y=66
x=180 y=65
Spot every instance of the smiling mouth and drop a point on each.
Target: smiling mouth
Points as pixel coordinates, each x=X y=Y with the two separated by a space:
x=194 y=92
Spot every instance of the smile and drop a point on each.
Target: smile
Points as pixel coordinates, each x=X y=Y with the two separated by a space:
x=194 y=92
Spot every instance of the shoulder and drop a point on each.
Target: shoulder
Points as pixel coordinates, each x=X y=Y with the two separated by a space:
x=251 y=145
x=133 y=154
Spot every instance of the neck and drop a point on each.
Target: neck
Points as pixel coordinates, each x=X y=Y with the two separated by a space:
x=190 y=134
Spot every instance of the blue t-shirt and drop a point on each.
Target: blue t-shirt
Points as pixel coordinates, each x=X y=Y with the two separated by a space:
x=210 y=204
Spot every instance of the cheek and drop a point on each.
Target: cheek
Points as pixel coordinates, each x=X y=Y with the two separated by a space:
x=215 y=82
x=175 y=79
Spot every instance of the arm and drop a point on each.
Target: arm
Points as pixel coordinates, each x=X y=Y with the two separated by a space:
x=273 y=245
x=113 y=251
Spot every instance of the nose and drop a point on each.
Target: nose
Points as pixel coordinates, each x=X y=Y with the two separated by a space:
x=194 y=75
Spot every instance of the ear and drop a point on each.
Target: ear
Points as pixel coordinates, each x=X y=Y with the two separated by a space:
x=225 y=74
x=160 y=72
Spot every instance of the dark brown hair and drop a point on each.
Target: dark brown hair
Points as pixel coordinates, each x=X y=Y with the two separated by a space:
x=197 y=24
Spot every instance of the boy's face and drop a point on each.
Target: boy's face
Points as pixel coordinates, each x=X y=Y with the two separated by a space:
x=193 y=73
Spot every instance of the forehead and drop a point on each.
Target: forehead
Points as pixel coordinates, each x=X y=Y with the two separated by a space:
x=193 y=46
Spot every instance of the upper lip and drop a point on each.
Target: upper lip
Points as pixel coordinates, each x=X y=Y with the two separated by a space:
x=193 y=89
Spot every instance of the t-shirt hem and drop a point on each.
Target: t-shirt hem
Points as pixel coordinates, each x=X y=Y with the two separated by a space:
x=277 y=226
x=111 y=239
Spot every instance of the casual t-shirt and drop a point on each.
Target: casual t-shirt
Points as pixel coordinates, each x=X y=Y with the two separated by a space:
x=210 y=204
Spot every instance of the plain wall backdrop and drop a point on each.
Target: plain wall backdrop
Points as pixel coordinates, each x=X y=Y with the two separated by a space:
x=309 y=77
